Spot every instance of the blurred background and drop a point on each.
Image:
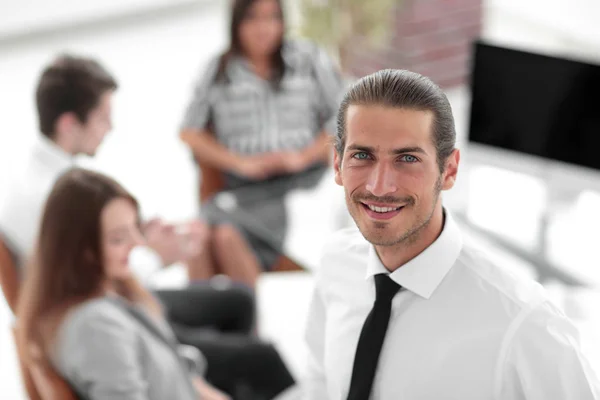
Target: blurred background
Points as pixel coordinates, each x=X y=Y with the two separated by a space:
x=503 y=64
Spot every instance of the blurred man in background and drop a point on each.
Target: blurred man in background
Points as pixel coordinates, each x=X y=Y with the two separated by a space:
x=74 y=108
x=73 y=99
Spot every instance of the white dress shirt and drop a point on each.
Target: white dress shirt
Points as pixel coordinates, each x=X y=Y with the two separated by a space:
x=23 y=204
x=461 y=328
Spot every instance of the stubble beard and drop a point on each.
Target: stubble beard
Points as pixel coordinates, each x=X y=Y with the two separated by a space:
x=378 y=235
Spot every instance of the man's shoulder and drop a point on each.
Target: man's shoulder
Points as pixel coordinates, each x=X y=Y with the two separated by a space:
x=15 y=204
x=24 y=200
x=27 y=178
x=513 y=285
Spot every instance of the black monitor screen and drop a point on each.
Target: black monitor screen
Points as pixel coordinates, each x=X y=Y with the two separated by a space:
x=536 y=104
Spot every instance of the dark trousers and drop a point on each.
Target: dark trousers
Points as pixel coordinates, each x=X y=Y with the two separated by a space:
x=219 y=322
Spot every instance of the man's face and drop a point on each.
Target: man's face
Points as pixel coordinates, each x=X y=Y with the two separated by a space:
x=390 y=173
x=98 y=124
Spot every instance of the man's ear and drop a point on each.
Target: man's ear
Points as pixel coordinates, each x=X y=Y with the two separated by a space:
x=451 y=170
x=337 y=165
x=67 y=122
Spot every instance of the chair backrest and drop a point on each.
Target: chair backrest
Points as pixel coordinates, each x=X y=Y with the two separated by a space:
x=211 y=181
x=42 y=382
x=9 y=277
x=50 y=385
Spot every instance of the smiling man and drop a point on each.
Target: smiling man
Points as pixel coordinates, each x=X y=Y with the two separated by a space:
x=402 y=308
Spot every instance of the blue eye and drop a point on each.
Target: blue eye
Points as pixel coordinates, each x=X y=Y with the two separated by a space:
x=409 y=159
x=361 y=155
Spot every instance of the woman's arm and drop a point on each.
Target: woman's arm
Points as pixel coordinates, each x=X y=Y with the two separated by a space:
x=206 y=148
x=194 y=132
x=319 y=151
x=210 y=152
x=331 y=87
x=297 y=161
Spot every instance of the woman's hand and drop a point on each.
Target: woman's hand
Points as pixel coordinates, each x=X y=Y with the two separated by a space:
x=208 y=392
x=193 y=237
x=163 y=239
x=255 y=168
x=176 y=243
x=260 y=167
x=269 y=164
x=293 y=162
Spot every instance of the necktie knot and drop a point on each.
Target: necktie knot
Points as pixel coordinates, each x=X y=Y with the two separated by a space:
x=385 y=288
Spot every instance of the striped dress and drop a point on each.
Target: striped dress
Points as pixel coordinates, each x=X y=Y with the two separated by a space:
x=249 y=116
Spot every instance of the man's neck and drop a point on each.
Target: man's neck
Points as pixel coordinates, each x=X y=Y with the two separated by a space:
x=395 y=256
x=64 y=144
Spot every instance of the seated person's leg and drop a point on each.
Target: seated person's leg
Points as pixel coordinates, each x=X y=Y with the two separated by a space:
x=234 y=255
x=238 y=362
x=229 y=309
x=202 y=266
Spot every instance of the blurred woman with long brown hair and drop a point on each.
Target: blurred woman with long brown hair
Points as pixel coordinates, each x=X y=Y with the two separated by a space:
x=261 y=115
x=83 y=313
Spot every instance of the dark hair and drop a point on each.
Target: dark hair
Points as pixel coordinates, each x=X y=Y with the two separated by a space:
x=67 y=266
x=239 y=12
x=70 y=84
x=402 y=89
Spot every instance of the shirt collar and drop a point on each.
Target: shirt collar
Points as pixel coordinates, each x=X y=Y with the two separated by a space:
x=424 y=273
x=48 y=152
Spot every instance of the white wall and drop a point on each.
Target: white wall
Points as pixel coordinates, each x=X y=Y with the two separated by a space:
x=510 y=192
x=28 y=16
x=554 y=27
x=155 y=59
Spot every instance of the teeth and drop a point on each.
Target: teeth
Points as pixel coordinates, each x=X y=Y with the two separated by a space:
x=382 y=209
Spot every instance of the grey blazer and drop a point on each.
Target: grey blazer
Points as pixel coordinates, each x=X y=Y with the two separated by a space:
x=108 y=349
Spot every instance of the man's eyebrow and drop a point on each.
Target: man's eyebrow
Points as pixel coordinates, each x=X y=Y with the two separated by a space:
x=401 y=150
x=366 y=149
x=410 y=149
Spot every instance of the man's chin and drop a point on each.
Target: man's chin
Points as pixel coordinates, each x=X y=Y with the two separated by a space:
x=91 y=153
x=376 y=235
x=381 y=241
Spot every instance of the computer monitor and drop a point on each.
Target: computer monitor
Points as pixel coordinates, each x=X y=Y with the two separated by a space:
x=537 y=105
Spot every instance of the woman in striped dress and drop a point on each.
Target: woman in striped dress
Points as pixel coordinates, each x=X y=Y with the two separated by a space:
x=261 y=114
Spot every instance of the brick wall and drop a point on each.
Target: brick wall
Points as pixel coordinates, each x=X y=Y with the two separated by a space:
x=431 y=37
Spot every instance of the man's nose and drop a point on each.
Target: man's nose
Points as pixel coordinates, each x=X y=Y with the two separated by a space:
x=382 y=180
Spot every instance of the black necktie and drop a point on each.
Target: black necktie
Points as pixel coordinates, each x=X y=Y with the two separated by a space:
x=371 y=338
